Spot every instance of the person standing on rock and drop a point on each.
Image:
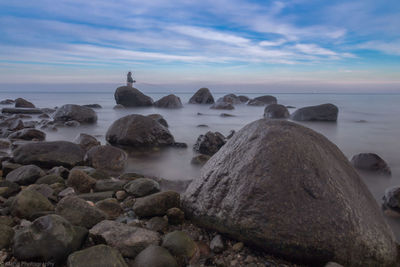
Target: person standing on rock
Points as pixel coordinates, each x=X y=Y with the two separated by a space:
x=129 y=79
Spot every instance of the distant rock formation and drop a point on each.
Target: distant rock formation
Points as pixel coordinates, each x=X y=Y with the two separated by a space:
x=169 y=101
x=202 y=96
x=324 y=112
x=132 y=97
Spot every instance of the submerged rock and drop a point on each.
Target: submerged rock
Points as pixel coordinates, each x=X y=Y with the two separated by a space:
x=202 y=96
x=230 y=98
x=324 y=112
x=371 y=162
x=22 y=103
x=138 y=131
x=96 y=256
x=276 y=111
x=169 y=101
x=71 y=112
x=222 y=105
x=263 y=100
x=274 y=181
x=209 y=143
x=131 y=97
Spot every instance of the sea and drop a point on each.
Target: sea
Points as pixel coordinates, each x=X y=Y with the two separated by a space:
x=366 y=123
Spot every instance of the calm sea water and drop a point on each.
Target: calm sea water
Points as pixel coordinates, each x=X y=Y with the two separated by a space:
x=379 y=133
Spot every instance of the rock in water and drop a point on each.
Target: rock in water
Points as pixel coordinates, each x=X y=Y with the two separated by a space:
x=22 y=103
x=77 y=113
x=28 y=134
x=276 y=111
x=209 y=143
x=158 y=118
x=86 y=141
x=48 y=238
x=131 y=97
x=202 y=96
x=222 y=105
x=371 y=162
x=263 y=100
x=324 y=112
x=138 y=131
x=96 y=256
x=108 y=158
x=230 y=98
x=169 y=101
x=291 y=192
x=49 y=154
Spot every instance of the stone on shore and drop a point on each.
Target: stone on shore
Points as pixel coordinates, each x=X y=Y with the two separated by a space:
x=6 y=235
x=29 y=203
x=156 y=204
x=371 y=162
x=142 y=187
x=79 y=212
x=97 y=256
x=49 y=154
x=391 y=199
x=28 y=134
x=155 y=256
x=180 y=245
x=48 y=238
x=324 y=112
x=25 y=175
x=129 y=240
x=80 y=181
x=169 y=101
x=209 y=143
x=71 y=112
x=138 y=131
x=202 y=96
x=243 y=98
x=131 y=97
x=110 y=207
x=276 y=111
x=275 y=180
x=23 y=103
x=107 y=158
x=109 y=185
x=86 y=141
x=8 y=188
x=50 y=179
x=263 y=100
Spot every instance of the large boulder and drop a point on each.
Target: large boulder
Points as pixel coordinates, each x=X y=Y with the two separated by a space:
x=371 y=162
x=202 y=96
x=288 y=190
x=263 y=100
x=71 y=112
x=131 y=97
x=129 y=240
x=23 y=103
x=48 y=238
x=169 y=101
x=25 y=175
x=49 y=154
x=209 y=143
x=107 y=158
x=86 y=141
x=324 y=112
x=96 y=256
x=276 y=111
x=28 y=134
x=29 y=203
x=138 y=131
x=159 y=118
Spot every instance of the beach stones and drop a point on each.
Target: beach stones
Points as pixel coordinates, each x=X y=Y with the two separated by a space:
x=49 y=154
x=155 y=256
x=202 y=96
x=169 y=101
x=138 y=131
x=276 y=111
x=96 y=256
x=86 y=141
x=48 y=238
x=209 y=143
x=25 y=175
x=29 y=203
x=142 y=187
x=156 y=204
x=131 y=97
x=370 y=162
x=275 y=180
x=107 y=158
x=6 y=235
x=324 y=112
x=71 y=112
x=263 y=100
x=180 y=245
x=28 y=134
x=23 y=103
x=80 y=181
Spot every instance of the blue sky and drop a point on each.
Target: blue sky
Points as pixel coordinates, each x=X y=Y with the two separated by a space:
x=185 y=41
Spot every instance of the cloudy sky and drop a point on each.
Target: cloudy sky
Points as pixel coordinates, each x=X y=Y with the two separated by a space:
x=184 y=41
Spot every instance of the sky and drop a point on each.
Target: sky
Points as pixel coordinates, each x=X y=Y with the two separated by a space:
x=353 y=44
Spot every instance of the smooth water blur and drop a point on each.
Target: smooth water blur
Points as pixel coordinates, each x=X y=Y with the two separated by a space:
x=367 y=123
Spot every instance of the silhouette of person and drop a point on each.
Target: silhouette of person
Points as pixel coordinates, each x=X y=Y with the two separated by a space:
x=129 y=79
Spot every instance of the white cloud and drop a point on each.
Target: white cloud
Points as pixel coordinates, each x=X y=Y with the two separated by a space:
x=390 y=48
x=273 y=43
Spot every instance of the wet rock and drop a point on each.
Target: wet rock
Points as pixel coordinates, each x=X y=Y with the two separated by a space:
x=263 y=100
x=132 y=97
x=222 y=105
x=158 y=224
x=217 y=244
x=109 y=185
x=156 y=204
x=6 y=235
x=209 y=143
x=48 y=238
x=371 y=162
x=241 y=189
x=8 y=188
x=180 y=245
x=59 y=171
x=94 y=173
x=22 y=110
x=80 y=181
x=158 y=118
x=86 y=141
x=276 y=111
x=69 y=191
x=333 y=264
x=97 y=196
x=175 y=216
x=25 y=175
x=22 y=103
x=243 y=98
x=155 y=256
x=28 y=203
x=110 y=207
x=202 y=96
x=96 y=256
x=93 y=106
x=79 y=212
x=202 y=126
x=50 y=179
x=44 y=189
x=200 y=159
x=169 y=101
x=129 y=240
x=230 y=98
x=324 y=112
x=107 y=158
x=138 y=131
x=49 y=154
x=71 y=112
x=4 y=144
x=8 y=167
x=142 y=187
x=7 y=102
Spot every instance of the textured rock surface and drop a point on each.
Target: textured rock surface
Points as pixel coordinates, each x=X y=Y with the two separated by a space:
x=263 y=100
x=274 y=181
x=107 y=158
x=71 y=112
x=169 y=101
x=324 y=112
x=158 y=118
x=25 y=175
x=222 y=105
x=156 y=204
x=96 y=256
x=131 y=97
x=276 y=111
x=29 y=203
x=202 y=96
x=86 y=141
x=22 y=103
x=155 y=256
x=209 y=143
x=371 y=162
x=142 y=187
x=80 y=181
x=28 y=134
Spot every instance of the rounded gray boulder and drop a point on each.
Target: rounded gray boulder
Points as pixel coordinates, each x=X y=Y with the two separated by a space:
x=276 y=111
x=132 y=97
x=202 y=96
x=71 y=112
x=324 y=112
x=169 y=101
